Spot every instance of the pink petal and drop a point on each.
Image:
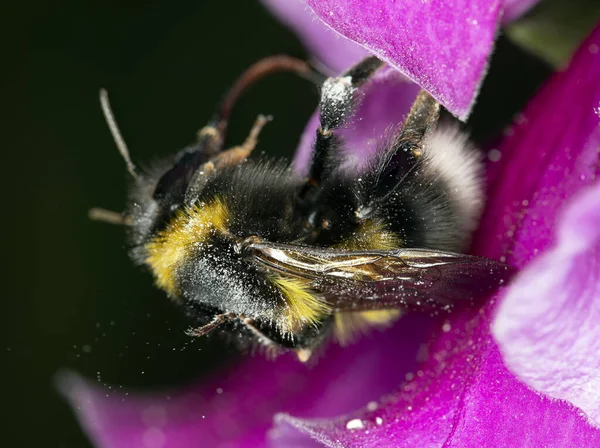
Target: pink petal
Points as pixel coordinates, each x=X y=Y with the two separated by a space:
x=335 y=52
x=513 y=9
x=442 y=46
x=463 y=395
x=553 y=153
x=468 y=400
x=552 y=314
x=548 y=325
x=237 y=406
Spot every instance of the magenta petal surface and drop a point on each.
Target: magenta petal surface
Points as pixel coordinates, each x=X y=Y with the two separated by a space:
x=550 y=154
x=236 y=407
x=548 y=326
x=513 y=9
x=463 y=395
x=442 y=46
x=333 y=51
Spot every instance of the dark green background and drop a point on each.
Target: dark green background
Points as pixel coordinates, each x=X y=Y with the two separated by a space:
x=72 y=298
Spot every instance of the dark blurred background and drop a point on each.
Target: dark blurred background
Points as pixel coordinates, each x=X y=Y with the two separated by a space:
x=72 y=298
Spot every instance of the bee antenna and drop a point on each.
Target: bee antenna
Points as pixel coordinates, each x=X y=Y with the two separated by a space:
x=219 y=319
x=116 y=133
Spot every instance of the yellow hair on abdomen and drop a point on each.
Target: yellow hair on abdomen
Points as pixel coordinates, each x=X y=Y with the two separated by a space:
x=190 y=226
x=303 y=307
x=371 y=235
x=380 y=317
x=350 y=324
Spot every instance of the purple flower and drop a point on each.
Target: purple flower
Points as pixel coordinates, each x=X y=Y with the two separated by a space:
x=443 y=381
x=442 y=46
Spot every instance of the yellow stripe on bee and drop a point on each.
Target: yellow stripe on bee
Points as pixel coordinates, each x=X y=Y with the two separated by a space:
x=380 y=317
x=189 y=226
x=349 y=325
x=303 y=307
x=371 y=235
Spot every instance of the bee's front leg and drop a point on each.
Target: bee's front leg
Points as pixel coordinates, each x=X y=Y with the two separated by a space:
x=338 y=101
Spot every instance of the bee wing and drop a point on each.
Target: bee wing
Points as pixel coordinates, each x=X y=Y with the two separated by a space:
x=420 y=279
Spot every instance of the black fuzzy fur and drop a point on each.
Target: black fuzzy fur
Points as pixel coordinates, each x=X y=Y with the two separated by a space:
x=270 y=201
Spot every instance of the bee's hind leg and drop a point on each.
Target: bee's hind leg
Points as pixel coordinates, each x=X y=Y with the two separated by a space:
x=402 y=158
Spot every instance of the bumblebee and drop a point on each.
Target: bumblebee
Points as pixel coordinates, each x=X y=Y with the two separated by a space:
x=284 y=259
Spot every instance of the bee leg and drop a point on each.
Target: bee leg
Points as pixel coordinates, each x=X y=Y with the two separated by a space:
x=238 y=154
x=109 y=217
x=260 y=336
x=230 y=157
x=421 y=120
x=401 y=158
x=337 y=103
x=219 y=319
x=210 y=138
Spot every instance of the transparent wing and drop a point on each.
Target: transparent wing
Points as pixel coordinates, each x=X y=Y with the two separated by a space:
x=420 y=279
